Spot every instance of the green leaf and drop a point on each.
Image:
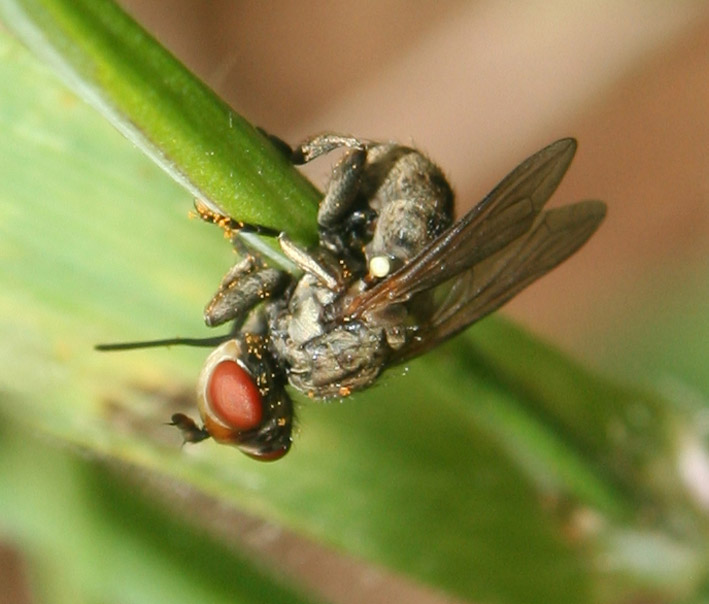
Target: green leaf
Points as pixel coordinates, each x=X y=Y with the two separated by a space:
x=95 y=539
x=165 y=111
x=495 y=469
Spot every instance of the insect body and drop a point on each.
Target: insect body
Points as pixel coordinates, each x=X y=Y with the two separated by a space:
x=392 y=277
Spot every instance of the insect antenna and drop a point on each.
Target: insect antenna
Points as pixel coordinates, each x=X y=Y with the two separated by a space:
x=199 y=342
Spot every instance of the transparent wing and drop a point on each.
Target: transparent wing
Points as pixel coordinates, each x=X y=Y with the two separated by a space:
x=504 y=215
x=555 y=236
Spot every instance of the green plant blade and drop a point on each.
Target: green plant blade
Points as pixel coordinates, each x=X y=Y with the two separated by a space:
x=165 y=111
x=472 y=473
x=95 y=539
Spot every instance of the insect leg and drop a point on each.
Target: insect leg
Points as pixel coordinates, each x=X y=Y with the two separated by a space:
x=230 y=226
x=346 y=176
x=277 y=142
x=243 y=287
x=308 y=263
x=314 y=147
x=342 y=189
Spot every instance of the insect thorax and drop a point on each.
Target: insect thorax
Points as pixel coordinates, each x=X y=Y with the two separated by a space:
x=325 y=361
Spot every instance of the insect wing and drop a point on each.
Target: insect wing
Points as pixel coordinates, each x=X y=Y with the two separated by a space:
x=555 y=236
x=503 y=216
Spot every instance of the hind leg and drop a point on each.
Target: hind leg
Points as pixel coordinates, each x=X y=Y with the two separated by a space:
x=346 y=177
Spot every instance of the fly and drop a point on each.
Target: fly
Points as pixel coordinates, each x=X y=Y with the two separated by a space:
x=392 y=277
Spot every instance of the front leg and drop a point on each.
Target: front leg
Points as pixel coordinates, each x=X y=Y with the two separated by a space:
x=244 y=286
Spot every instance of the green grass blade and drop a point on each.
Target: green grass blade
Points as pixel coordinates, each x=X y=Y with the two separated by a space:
x=168 y=113
x=92 y=538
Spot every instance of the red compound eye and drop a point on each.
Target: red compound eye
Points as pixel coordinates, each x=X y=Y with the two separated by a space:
x=234 y=397
x=231 y=404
